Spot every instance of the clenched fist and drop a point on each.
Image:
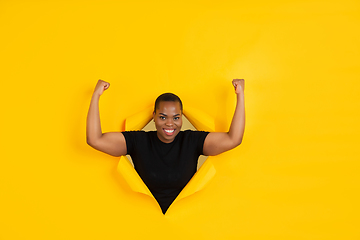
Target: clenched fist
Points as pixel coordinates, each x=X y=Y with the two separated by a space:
x=238 y=85
x=100 y=87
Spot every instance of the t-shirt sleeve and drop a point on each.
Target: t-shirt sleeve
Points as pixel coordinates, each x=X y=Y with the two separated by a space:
x=199 y=138
x=130 y=138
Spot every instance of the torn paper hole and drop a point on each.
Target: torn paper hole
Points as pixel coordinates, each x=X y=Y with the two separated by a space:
x=202 y=177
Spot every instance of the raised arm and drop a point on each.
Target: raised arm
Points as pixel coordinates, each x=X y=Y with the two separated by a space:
x=112 y=143
x=219 y=142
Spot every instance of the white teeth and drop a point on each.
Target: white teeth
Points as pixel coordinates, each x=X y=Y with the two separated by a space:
x=169 y=131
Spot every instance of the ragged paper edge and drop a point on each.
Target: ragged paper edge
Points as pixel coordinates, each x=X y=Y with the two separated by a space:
x=201 y=121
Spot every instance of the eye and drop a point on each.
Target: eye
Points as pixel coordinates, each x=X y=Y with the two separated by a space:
x=176 y=118
x=162 y=117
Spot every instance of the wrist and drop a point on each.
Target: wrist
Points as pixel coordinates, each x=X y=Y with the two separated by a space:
x=239 y=93
x=95 y=96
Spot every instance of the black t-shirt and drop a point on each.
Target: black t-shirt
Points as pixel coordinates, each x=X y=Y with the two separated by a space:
x=165 y=168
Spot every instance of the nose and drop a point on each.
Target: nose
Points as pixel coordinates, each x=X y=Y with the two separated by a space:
x=169 y=122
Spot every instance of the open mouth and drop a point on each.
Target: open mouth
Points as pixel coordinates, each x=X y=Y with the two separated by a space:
x=169 y=132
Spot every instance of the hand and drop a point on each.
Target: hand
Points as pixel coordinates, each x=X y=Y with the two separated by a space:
x=238 y=85
x=100 y=87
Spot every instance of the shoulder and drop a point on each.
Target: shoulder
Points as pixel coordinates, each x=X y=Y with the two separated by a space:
x=195 y=134
x=137 y=139
x=192 y=132
x=137 y=134
x=133 y=133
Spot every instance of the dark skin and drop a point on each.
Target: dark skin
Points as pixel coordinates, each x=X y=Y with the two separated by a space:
x=168 y=122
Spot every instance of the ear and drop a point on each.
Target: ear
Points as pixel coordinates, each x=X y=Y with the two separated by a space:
x=154 y=116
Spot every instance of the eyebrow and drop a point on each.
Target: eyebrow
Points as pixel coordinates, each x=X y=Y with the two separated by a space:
x=173 y=116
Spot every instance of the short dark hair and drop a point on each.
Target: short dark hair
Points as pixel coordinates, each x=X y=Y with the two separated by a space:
x=167 y=97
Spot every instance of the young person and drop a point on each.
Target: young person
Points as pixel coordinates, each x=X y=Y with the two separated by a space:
x=165 y=159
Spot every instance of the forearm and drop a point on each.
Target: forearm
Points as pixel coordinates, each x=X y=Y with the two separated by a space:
x=237 y=126
x=93 y=125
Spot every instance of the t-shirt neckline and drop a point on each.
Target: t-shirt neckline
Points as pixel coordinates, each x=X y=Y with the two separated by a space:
x=158 y=139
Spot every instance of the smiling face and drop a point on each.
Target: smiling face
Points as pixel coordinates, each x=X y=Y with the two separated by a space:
x=168 y=120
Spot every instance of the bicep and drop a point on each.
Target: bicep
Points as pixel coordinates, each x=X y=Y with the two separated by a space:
x=112 y=143
x=217 y=142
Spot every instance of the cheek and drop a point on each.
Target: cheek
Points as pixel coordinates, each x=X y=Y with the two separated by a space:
x=159 y=124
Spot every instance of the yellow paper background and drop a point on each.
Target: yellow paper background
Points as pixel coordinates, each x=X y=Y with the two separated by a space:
x=296 y=174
